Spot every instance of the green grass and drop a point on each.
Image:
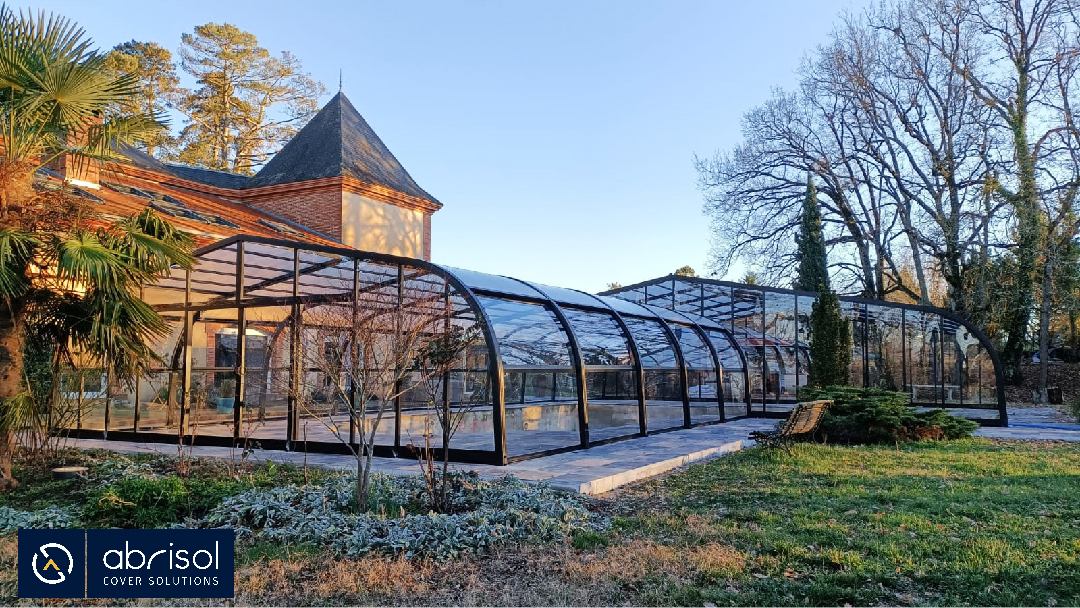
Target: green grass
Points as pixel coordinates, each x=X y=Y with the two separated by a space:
x=968 y=522
x=973 y=522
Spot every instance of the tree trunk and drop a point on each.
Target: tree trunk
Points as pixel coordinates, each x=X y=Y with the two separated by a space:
x=1044 y=322
x=363 y=477
x=11 y=371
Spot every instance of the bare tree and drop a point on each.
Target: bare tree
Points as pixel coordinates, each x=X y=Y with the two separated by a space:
x=1012 y=63
x=441 y=364
x=353 y=361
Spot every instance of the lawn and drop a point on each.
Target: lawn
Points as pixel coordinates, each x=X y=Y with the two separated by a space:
x=969 y=522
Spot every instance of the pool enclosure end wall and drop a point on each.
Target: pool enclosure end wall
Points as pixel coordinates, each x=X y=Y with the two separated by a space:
x=285 y=345
x=939 y=358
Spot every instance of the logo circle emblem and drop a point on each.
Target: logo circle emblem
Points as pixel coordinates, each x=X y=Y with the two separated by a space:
x=59 y=573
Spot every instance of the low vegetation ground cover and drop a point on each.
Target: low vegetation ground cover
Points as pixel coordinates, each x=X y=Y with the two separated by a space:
x=975 y=521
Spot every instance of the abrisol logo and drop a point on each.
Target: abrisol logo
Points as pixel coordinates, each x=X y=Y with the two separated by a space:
x=52 y=564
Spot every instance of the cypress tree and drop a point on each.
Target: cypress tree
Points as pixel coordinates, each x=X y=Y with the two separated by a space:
x=830 y=343
x=813 y=266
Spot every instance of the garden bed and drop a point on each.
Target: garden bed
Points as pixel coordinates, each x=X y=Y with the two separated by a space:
x=930 y=523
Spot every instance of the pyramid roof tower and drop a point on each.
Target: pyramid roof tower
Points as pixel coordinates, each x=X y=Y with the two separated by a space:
x=338 y=142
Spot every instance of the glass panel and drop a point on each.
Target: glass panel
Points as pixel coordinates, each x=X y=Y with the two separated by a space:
x=267 y=369
x=529 y=335
x=779 y=326
x=717 y=304
x=568 y=296
x=688 y=296
x=213 y=394
x=923 y=357
x=659 y=294
x=696 y=354
x=803 y=355
x=734 y=379
x=491 y=282
x=663 y=384
x=540 y=384
x=82 y=398
x=629 y=295
x=214 y=274
x=854 y=313
x=788 y=379
x=610 y=379
x=600 y=338
x=981 y=368
x=805 y=307
x=654 y=348
x=726 y=351
x=748 y=329
x=627 y=307
x=884 y=347
x=701 y=371
x=775 y=371
x=952 y=363
x=159 y=402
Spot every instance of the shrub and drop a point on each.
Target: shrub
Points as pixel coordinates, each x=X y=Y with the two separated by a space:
x=489 y=513
x=148 y=502
x=49 y=517
x=874 y=415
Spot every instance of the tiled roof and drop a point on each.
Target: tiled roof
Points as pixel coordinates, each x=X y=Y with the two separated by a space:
x=208 y=218
x=220 y=179
x=338 y=142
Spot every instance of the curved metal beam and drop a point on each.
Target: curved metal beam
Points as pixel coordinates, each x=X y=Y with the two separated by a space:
x=684 y=376
x=579 y=363
x=639 y=369
x=719 y=370
x=495 y=365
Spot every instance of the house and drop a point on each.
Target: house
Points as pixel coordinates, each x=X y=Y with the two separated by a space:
x=335 y=182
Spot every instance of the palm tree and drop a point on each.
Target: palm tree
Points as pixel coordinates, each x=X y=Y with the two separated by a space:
x=65 y=273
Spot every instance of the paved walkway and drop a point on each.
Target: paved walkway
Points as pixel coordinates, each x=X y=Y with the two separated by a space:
x=605 y=467
x=591 y=471
x=1034 y=423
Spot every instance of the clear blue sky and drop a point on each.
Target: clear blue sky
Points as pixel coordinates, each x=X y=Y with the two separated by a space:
x=558 y=135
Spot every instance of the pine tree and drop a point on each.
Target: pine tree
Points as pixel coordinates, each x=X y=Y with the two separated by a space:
x=813 y=265
x=248 y=104
x=830 y=343
x=154 y=72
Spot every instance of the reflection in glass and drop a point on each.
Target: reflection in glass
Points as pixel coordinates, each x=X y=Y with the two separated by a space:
x=663 y=379
x=539 y=379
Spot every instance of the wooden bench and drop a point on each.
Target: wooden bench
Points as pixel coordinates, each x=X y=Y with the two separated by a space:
x=800 y=424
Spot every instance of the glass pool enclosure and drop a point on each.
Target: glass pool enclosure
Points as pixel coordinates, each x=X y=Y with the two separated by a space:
x=273 y=343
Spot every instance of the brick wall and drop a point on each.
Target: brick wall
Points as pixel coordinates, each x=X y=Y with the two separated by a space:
x=318 y=209
x=72 y=168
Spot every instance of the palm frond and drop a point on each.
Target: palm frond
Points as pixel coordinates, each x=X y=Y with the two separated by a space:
x=152 y=243
x=53 y=89
x=16 y=253
x=119 y=333
x=105 y=141
x=83 y=260
x=17 y=412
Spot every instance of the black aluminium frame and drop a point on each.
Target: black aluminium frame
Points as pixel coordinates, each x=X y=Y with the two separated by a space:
x=701 y=325
x=862 y=317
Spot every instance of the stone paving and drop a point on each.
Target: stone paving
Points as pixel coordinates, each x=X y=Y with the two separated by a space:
x=605 y=467
x=591 y=471
x=1034 y=423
